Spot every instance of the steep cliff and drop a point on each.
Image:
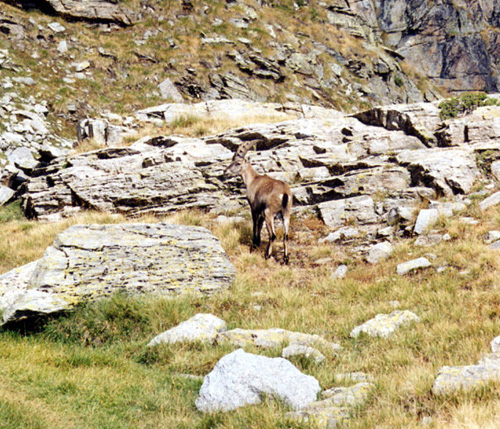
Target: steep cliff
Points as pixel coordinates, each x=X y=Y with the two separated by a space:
x=454 y=43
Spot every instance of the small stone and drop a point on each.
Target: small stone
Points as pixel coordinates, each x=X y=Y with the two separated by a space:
x=298 y=350
x=412 y=265
x=383 y=325
x=425 y=220
x=386 y=232
x=169 y=91
x=343 y=233
x=469 y=220
x=426 y=420
x=56 y=27
x=379 y=252
x=62 y=47
x=492 y=236
x=82 y=66
x=428 y=240
x=340 y=272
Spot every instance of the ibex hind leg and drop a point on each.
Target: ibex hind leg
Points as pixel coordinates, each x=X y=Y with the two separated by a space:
x=258 y=221
x=272 y=235
x=286 y=224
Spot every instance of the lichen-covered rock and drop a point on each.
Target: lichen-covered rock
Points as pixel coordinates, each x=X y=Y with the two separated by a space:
x=454 y=378
x=240 y=379
x=274 y=337
x=337 y=408
x=89 y=262
x=384 y=325
x=201 y=327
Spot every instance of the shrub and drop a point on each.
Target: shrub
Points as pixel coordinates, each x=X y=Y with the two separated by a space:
x=464 y=104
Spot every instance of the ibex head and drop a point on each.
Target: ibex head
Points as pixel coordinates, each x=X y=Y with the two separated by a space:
x=238 y=163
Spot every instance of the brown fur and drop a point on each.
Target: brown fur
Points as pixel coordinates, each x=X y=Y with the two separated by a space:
x=267 y=197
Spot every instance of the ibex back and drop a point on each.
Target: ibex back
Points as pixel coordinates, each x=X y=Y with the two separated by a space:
x=267 y=197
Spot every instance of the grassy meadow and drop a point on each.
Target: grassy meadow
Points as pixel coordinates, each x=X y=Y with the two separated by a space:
x=92 y=369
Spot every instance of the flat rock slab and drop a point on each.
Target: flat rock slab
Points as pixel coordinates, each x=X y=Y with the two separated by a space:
x=455 y=378
x=87 y=262
x=414 y=264
x=240 y=379
x=336 y=409
x=491 y=201
x=274 y=337
x=201 y=327
x=384 y=325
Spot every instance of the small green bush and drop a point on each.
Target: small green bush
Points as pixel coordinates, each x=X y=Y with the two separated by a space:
x=464 y=104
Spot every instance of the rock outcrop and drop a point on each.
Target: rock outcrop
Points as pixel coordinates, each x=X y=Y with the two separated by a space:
x=342 y=167
x=91 y=10
x=89 y=262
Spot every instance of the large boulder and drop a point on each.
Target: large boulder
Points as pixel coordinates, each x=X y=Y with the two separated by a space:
x=89 y=262
x=240 y=379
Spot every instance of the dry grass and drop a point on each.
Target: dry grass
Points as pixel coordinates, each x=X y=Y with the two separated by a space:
x=101 y=348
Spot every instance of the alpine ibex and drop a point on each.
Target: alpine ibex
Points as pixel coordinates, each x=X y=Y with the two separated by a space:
x=267 y=197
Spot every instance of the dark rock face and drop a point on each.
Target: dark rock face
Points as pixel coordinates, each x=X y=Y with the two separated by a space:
x=452 y=43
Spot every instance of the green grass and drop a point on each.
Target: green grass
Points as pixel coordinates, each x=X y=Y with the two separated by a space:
x=92 y=368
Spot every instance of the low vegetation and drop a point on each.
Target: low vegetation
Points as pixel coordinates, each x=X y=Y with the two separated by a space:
x=464 y=104
x=92 y=369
